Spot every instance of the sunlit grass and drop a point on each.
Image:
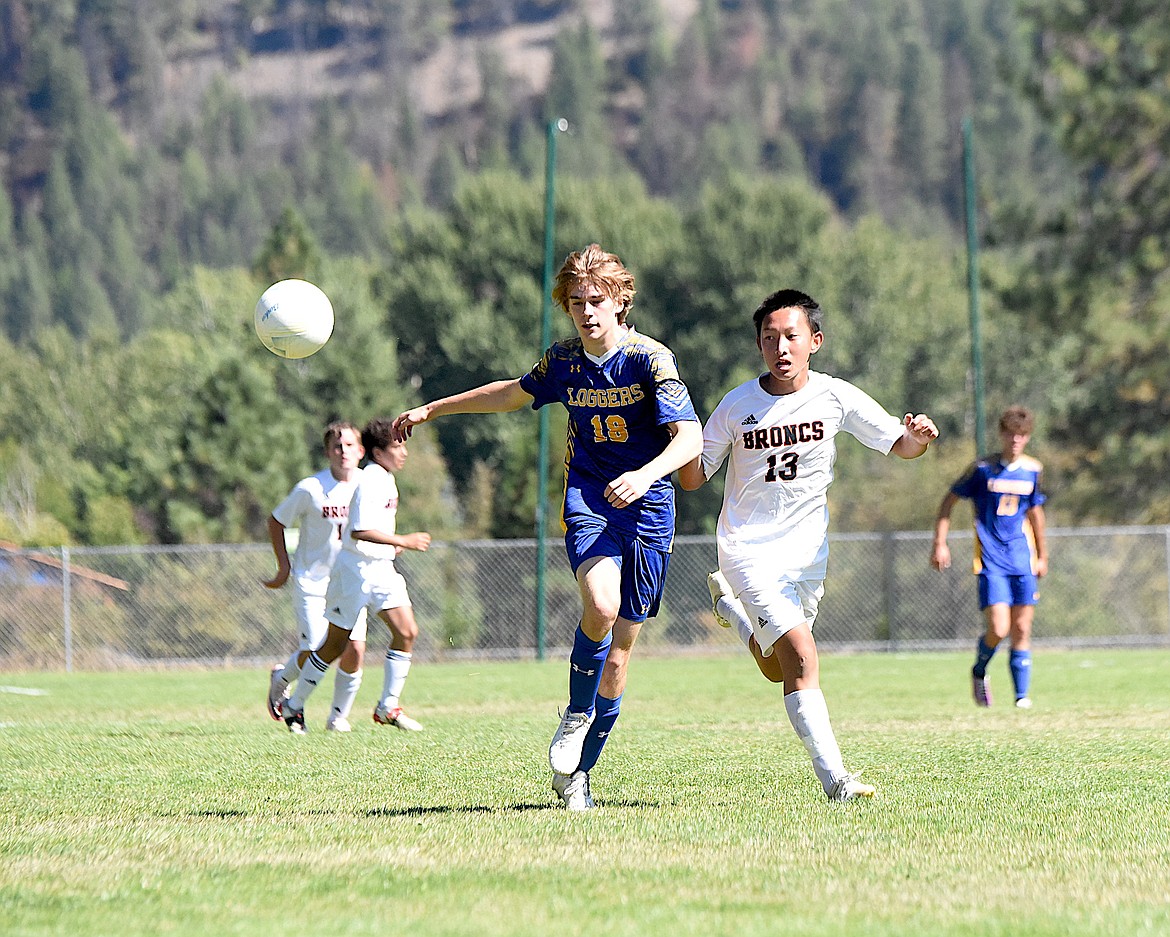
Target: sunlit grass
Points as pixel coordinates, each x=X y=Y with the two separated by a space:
x=170 y=804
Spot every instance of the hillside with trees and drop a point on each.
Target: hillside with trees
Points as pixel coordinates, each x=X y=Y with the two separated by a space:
x=162 y=163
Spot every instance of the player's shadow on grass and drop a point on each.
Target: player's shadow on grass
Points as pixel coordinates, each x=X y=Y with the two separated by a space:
x=500 y=808
x=438 y=810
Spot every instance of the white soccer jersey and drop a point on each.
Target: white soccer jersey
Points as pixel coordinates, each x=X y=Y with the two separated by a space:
x=317 y=506
x=374 y=506
x=775 y=516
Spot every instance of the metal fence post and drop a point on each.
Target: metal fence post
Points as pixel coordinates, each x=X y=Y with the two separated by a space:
x=889 y=587
x=1167 y=536
x=67 y=608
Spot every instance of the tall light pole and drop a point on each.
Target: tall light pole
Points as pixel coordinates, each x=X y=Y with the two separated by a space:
x=973 y=284
x=555 y=126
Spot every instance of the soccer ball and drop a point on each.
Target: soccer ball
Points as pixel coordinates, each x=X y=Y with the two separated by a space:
x=294 y=319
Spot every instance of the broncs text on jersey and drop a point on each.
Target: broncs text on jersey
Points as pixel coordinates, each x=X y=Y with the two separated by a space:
x=767 y=437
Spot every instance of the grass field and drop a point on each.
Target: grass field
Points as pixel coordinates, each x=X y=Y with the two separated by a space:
x=168 y=803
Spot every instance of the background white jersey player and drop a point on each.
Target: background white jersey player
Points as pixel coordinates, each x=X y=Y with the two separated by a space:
x=365 y=582
x=777 y=430
x=318 y=507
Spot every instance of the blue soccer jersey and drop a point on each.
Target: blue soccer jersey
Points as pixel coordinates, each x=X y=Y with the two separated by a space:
x=1001 y=496
x=618 y=411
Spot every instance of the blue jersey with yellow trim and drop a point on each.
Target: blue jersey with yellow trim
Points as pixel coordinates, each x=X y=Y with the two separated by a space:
x=1001 y=495
x=618 y=411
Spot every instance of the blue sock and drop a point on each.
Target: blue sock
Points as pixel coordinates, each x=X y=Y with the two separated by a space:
x=607 y=713
x=1020 y=663
x=585 y=663
x=983 y=654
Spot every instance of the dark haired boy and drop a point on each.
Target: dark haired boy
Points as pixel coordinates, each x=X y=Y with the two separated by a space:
x=777 y=433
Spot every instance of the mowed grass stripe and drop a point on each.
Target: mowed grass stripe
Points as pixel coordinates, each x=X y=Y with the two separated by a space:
x=150 y=803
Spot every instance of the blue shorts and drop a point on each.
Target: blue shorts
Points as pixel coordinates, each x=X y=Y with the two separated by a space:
x=998 y=589
x=643 y=568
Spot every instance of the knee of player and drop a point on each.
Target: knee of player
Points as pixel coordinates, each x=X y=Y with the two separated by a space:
x=601 y=614
x=614 y=671
x=804 y=668
x=402 y=626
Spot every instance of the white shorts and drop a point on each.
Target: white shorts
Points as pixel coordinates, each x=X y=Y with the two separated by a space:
x=362 y=586
x=776 y=609
x=311 y=623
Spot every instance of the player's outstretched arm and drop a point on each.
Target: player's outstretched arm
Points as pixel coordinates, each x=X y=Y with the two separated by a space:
x=495 y=397
x=918 y=432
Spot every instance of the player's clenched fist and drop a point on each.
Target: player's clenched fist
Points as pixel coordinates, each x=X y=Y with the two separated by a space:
x=921 y=427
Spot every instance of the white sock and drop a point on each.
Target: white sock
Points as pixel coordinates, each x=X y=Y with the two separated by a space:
x=395 y=669
x=311 y=674
x=291 y=671
x=345 y=687
x=810 y=718
x=734 y=612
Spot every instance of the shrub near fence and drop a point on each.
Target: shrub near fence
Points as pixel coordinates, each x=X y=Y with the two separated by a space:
x=100 y=608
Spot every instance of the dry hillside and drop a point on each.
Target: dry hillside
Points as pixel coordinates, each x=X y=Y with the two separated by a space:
x=447 y=79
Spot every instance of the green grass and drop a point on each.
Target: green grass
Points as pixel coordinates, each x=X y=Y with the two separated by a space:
x=168 y=803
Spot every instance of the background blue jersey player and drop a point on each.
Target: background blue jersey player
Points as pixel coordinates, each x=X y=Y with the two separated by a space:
x=631 y=424
x=1010 y=549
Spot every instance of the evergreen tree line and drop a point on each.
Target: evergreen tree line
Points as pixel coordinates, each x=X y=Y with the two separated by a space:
x=772 y=143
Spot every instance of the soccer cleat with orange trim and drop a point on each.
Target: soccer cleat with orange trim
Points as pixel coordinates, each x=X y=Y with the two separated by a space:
x=397 y=718
x=276 y=690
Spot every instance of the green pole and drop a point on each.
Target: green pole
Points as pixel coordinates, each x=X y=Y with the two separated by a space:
x=559 y=125
x=973 y=286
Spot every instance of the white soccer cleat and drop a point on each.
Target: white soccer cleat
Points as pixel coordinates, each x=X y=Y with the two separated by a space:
x=719 y=588
x=850 y=787
x=338 y=724
x=573 y=790
x=276 y=691
x=397 y=718
x=1023 y=703
x=981 y=690
x=564 y=752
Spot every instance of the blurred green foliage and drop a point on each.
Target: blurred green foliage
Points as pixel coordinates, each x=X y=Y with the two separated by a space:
x=753 y=146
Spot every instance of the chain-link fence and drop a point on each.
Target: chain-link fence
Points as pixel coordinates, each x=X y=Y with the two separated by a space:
x=103 y=608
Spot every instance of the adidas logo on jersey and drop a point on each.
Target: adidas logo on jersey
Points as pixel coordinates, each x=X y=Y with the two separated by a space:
x=750 y=421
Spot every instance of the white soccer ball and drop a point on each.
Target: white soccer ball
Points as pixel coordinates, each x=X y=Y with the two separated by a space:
x=294 y=318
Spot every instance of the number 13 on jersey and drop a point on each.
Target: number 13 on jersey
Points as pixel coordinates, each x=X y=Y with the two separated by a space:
x=787 y=467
